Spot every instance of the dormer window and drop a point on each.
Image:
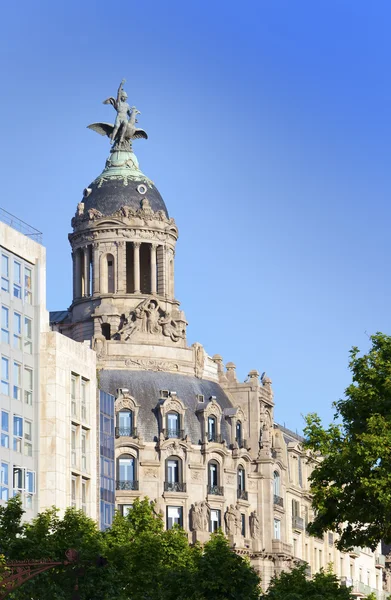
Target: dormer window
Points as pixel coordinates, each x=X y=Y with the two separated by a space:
x=239 y=434
x=212 y=429
x=173 y=425
x=125 y=423
x=164 y=393
x=200 y=398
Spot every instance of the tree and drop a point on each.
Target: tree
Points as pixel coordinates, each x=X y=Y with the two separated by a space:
x=294 y=585
x=351 y=484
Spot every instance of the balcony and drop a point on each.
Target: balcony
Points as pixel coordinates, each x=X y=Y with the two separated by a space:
x=216 y=490
x=214 y=437
x=278 y=501
x=355 y=552
x=174 y=486
x=242 y=495
x=380 y=561
x=174 y=433
x=298 y=523
x=126 y=432
x=127 y=485
x=361 y=590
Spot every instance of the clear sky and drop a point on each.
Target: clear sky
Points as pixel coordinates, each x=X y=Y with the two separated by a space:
x=269 y=139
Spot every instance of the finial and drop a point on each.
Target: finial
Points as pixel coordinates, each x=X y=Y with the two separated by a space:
x=124 y=129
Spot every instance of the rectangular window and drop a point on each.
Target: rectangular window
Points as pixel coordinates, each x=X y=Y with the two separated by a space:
x=18 y=433
x=243 y=519
x=215 y=520
x=4 y=492
x=73 y=492
x=125 y=509
x=174 y=516
x=17 y=280
x=5 y=376
x=5 y=325
x=83 y=400
x=28 y=295
x=28 y=438
x=17 y=387
x=84 y=451
x=73 y=396
x=5 y=284
x=30 y=482
x=73 y=446
x=28 y=386
x=19 y=474
x=84 y=496
x=17 y=331
x=277 y=529
x=4 y=429
x=28 y=334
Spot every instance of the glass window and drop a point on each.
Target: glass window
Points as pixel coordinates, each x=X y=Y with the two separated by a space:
x=241 y=479
x=28 y=386
x=19 y=479
x=28 y=345
x=126 y=468
x=4 y=375
x=28 y=296
x=84 y=496
x=28 y=438
x=73 y=396
x=4 y=441
x=5 y=334
x=174 y=516
x=172 y=425
x=212 y=429
x=173 y=470
x=125 y=509
x=84 y=400
x=17 y=331
x=277 y=529
x=4 y=494
x=125 y=422
x=17 y=381
x=73 y=491
x=213 y=474
x=276 y=483
x=18 y=433
x=215 y=520
x=30 y=482
x=84 y=450
x=239 y=432
x=5 y=284
x=17 y=280
x=73 y=446
x=243 y=523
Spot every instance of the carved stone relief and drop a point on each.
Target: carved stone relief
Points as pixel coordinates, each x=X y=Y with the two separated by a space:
x=255 y=529
x=148 y=317
x=150 y=364
x=199 y=360
x=199 y=516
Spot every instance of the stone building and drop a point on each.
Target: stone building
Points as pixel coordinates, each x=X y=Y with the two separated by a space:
x=188 y=434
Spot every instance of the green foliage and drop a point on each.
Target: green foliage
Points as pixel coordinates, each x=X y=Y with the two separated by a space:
x=294 y=585
x=351 y=486
x=144 y=562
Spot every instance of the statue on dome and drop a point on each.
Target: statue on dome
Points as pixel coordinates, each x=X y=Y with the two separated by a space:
x=124 y=129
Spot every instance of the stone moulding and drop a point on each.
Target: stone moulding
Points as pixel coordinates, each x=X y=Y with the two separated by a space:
x=150 y=364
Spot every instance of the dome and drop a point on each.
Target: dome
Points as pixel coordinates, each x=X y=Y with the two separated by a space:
x=122 y=184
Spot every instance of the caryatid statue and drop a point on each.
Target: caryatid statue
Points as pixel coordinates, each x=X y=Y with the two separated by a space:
x=124 y=129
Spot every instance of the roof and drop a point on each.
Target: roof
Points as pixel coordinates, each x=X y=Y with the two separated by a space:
x=58 y=316
x=145 y=386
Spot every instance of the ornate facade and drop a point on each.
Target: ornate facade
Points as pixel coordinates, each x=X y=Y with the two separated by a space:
x=188 y=434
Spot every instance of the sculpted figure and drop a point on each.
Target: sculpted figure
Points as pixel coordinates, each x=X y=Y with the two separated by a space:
x=152 y=313
x=122 y=107
x=238 y=520
x=254 y=525
x=204 y=512
x=230 y=520
x=196 y=517
x=169 y=327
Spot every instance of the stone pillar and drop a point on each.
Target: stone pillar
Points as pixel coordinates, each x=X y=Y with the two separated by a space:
x=136 y=266
x=121 y=267
x=153 y=268
x=77 y=292
x=86 y=257
x=95 y=268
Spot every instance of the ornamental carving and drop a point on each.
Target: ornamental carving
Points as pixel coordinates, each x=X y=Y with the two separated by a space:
x=148 y=317
x=148 y=364
x=255 y=528
x=81 y=215
x=199 y=360
x=199 y=516
x=151 y=472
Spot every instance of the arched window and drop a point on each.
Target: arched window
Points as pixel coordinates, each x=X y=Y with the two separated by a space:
x=174 y=475
x=126 y=473
x=173 y=425
x=214 y=486
x=125 y=424
x=276 y=484
x=239 y=434
x=212 y=429
x=241 y=479
x=110 y=273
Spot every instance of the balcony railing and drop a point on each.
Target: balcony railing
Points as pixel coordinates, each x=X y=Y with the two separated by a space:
x=298 y=523
x=242 y=495
x=127 y=485
x=355 y=552
x=174 y=433
x=278 y=501
x=214 y=437
x=174 y=486
x=126 y=432
x=380 y=560
x=362 y=590
x=216 y=490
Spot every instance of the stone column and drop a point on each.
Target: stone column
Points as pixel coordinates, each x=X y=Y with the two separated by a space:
x=86 y=257
x=77 y=292
x=95 y=268
x=153 y=268
x=136 y=266
x=121 y=267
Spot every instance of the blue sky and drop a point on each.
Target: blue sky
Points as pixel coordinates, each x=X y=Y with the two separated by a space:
x=269 y=139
